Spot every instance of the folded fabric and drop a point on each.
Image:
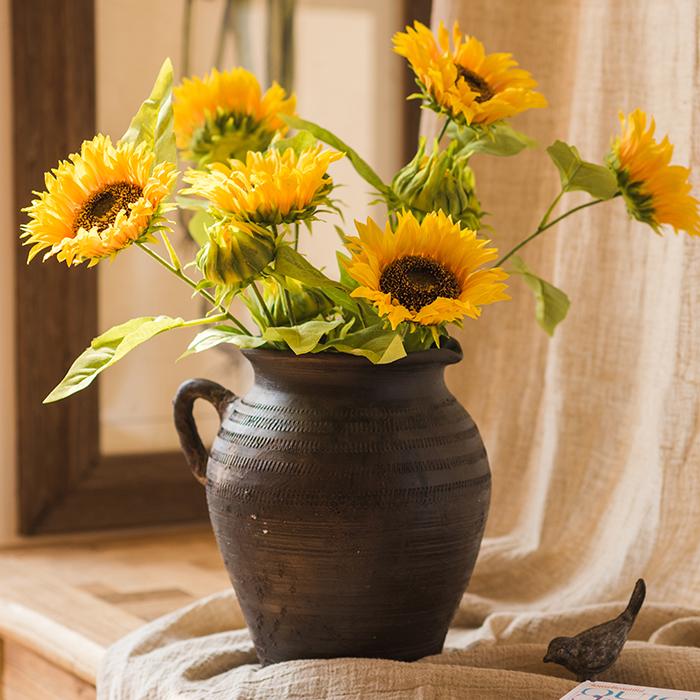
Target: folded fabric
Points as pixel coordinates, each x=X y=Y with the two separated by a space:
x=204 y=651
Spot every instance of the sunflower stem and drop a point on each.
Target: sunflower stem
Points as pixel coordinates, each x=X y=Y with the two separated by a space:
x=549 y=211
x=444 y=128
x=263 y=305
x=286 y=299
x=202 y=292
x=287 y=304
x=544 y=226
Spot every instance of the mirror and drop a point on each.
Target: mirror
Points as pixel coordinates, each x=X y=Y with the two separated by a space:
x=339 y=55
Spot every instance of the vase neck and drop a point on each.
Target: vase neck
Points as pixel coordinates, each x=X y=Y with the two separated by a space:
x=345 y=376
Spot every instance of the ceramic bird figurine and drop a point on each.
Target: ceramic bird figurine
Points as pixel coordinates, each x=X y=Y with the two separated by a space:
x=594 y=651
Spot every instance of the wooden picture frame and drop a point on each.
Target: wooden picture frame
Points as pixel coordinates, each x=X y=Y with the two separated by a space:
x=64 y=483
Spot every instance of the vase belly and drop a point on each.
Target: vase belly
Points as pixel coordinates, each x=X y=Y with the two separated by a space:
x=349 y=517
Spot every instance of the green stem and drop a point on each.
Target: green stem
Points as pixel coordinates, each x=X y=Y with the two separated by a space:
x=444 y=128
x=286 y=299
x=186 y=45
x=549 y=211
x=288 y=304
x=202 y=292
x=542 y=228
x=203 y=321
x=262 y=303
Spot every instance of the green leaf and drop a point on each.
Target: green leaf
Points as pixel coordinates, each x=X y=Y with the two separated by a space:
x=364 y=170
x=145 y=332
x=377 y=343
x=107 y=349
x=211 y=337
x=498 y=140
x=198 y=226
x=300 y=141
x=290 y=263
x=172 y=253
x=117 y=333
x=153 y=123
x=578 y=174
x=552 y=304
x=302 y=338
x=345 y=278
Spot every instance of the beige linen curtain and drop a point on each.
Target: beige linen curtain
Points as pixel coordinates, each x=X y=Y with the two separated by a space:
x=593 y=436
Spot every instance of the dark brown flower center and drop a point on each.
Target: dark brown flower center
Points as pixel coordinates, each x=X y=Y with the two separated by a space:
x=103 y=206
x=476 y=84
x=416 y=281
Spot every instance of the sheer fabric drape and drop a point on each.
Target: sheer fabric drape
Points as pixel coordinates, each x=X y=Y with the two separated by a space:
x=593 y=436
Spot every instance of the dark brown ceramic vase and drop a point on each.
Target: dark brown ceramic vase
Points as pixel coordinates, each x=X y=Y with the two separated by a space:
x=348 y=501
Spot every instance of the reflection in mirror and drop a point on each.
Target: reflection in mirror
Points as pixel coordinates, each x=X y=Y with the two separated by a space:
x=339 y=53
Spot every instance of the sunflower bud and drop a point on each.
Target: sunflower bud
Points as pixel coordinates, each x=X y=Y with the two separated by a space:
x=232 y=258
x=306 y=303
x=443 y=181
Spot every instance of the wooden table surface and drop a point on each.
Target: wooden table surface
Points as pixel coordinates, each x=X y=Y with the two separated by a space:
x=63 y=604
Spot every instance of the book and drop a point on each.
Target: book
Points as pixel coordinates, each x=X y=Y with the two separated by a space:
x=617 y=691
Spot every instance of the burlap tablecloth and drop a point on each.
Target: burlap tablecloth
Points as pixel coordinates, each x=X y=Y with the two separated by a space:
x=201 y=652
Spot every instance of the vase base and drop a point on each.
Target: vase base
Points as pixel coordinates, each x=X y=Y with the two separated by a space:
x=402 y=655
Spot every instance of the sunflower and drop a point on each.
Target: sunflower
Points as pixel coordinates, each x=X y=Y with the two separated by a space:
x=98 y=202
x=225 y=115
x=269 y=188
x=466 y=83
x=428 y=273
x=655 y=191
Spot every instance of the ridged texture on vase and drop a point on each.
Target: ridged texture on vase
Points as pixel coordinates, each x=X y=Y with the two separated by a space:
x=349 y=503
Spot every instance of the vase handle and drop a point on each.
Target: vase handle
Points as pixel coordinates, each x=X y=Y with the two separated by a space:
x=190 y=442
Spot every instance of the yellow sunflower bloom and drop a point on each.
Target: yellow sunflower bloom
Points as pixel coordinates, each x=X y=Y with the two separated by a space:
x=465 y=82
x=427 y=273
x=225 y=115
x=655 y=191
x=98 y=202
x=269 y=188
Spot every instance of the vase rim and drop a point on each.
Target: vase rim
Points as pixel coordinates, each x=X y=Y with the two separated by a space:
x=450 y=353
